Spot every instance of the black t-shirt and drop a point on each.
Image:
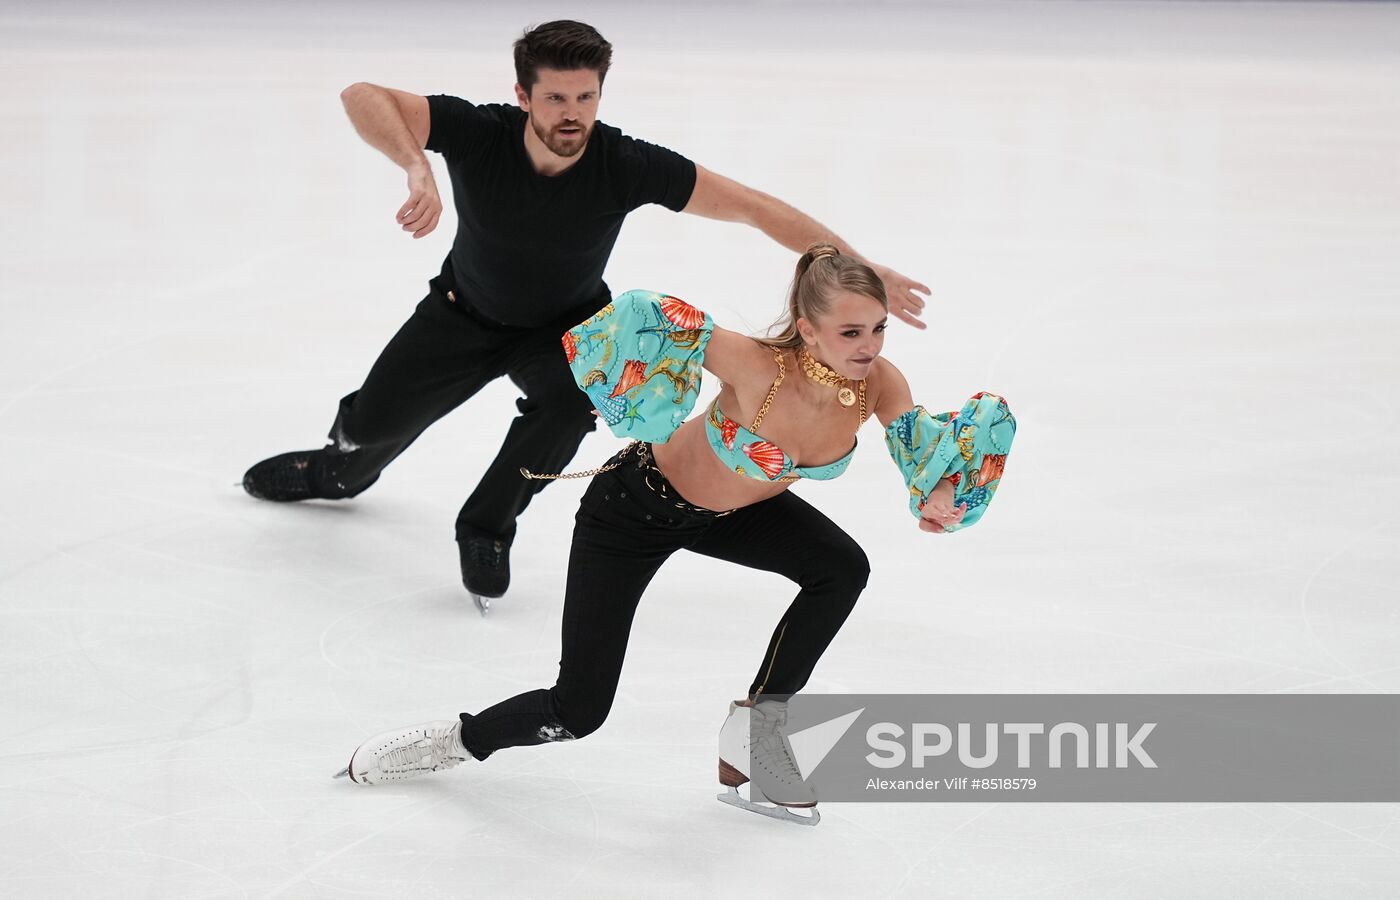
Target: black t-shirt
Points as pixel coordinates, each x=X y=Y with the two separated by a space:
x=531 y=248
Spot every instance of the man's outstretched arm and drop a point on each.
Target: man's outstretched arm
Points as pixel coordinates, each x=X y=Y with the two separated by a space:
x=396 y=124
x=717 y=197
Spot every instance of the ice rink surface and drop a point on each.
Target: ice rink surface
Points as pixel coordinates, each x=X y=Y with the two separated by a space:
x=1168 y=233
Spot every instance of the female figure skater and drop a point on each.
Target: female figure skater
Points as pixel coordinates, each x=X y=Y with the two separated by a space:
x=716 y=487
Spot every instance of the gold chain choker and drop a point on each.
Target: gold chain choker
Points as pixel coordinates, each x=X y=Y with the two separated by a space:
x=823 y=375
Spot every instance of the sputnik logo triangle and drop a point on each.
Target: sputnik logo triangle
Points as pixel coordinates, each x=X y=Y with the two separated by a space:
x=811 y=745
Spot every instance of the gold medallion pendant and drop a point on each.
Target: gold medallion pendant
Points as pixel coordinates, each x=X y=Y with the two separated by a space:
x=822 y=375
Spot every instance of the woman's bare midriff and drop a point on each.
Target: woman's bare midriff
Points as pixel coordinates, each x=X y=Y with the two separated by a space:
x=698 y=475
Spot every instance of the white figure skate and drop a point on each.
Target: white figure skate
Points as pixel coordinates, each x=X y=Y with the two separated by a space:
x=769 y=762
x=407 y=753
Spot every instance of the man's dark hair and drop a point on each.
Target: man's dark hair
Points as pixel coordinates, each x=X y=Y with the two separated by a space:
x=560 y=45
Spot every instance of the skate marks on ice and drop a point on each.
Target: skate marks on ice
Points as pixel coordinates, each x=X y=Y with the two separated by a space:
x=98 y=819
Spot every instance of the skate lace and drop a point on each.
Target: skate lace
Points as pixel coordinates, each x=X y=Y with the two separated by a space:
x=775 y=744
x=486 y=553
x=415 y=754
x=781 y=756
x=291 y=476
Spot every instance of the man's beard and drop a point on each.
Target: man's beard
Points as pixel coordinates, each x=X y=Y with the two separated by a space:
x=560 y=145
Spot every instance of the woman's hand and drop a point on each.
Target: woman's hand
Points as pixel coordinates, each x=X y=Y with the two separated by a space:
x=939 y=511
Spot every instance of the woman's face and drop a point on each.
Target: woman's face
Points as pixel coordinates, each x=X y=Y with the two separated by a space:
x=849 y=335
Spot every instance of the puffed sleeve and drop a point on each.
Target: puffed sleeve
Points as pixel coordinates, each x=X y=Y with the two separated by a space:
x=968 y=447
x=638 y=359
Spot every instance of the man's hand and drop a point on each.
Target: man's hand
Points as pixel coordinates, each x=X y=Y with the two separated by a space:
x=906 y=305
x=421 y=213
x=938 y=511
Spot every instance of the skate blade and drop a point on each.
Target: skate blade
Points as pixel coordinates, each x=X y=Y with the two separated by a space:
x=733 y=798
x=343 y=773
x=482 y=603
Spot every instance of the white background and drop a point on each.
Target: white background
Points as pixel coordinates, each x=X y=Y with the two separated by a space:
x=1169 y=234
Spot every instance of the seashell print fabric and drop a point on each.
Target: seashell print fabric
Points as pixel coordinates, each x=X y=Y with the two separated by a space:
x=968 y=446
x=639 y=361
x=767 y=457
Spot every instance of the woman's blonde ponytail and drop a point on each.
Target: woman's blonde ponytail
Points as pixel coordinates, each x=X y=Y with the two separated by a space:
x=820 y=272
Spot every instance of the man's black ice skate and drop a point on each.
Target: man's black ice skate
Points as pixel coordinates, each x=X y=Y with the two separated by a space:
x=284 y=478
x=485 y=568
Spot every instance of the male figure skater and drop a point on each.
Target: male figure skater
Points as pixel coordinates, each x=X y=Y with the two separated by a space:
x=541 y=193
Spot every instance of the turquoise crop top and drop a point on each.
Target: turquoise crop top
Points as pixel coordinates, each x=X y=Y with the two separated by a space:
x=639 y=360
x=746 y=453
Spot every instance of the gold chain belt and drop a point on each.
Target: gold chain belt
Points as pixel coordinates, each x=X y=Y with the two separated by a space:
x=587 y=473
x=644 y=461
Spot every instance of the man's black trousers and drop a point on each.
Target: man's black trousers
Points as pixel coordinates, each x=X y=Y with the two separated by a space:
x=441 y=356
